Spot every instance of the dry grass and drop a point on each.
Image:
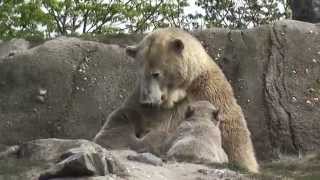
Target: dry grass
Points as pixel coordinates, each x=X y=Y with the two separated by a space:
x=306 y=168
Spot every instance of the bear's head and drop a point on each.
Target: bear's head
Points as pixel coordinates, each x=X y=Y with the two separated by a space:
x=166 y=58
x=200 y=110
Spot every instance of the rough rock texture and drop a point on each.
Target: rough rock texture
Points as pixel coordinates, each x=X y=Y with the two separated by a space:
x=88 y=159
x=147 y=158
x=44 y=157
x=13 y=46
x=275 y=74
x=67 y=87
x=63 y=88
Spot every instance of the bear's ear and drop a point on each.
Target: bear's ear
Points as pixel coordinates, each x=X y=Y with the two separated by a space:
x=189 y=112
x=132 y=51
x=177 y=45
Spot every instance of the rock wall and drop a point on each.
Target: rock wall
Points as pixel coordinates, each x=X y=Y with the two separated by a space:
x=306 y=10
x=67 y=87
x=63 y=88
x=275 y=72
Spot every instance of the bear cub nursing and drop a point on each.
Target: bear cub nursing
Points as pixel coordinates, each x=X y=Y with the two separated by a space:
x=198 y=138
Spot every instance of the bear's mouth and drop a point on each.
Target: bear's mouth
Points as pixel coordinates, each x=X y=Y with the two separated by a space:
x=165 y=101
x=150 y=105
x=172 y=104
x=163 y=105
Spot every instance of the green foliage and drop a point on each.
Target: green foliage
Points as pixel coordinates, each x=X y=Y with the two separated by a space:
x=20 y=18
x=143 y=15
x=243 y=13
x=50 y=18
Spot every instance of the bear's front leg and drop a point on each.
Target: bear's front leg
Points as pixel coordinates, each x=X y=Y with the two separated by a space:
x=154 y=142
x=236 y=140
x=119 y=131
x=124 y=130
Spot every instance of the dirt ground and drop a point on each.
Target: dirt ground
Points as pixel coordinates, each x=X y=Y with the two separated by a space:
x=304 y=168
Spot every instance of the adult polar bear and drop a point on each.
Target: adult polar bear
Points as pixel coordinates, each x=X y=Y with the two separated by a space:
x=176 y=70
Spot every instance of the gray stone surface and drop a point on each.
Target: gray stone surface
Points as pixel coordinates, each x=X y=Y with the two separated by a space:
x=274 y=71
x=49 y=158
x=88 y=159
x=63 y=88
x=14 y=46
x=87 y=178
x=147 y=158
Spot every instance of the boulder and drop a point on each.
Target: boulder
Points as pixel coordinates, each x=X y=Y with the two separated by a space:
x=53 y=158
x=86 y=160
x=9 y=48
x=61 y=159
x=63 y=88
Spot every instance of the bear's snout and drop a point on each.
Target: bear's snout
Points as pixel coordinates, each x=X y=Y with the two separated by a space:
x=150 y=100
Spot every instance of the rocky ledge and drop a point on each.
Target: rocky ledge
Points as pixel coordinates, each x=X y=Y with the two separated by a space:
x=61 y=159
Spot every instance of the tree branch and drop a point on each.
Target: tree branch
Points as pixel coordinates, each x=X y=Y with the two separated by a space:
x=140 y=25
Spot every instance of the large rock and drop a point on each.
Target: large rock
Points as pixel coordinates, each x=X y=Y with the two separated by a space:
x=56 y=158
x=13 y=46
x=86 y=160
x=67 y=87
x=63 y=88
x=274 y=71
x=52 y=159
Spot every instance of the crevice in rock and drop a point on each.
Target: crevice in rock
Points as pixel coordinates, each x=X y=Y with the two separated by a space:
x=280 y=119
x=243 y=39
x=266 y=99
x=229 y=62
x=229 y=35
x=280 y=48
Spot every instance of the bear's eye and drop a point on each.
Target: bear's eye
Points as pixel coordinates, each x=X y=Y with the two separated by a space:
x=155 y=75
